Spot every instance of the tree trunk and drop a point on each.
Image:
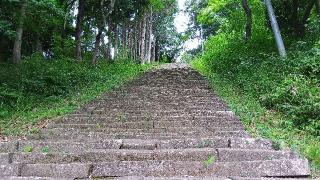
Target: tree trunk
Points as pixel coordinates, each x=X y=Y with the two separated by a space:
x=16 y=58
x=116 y=41
x=248 y=12
x=130 y=34
x=38 y=44
x=139 y=41
x=306 y=15
x=143 y=38
x=150 y=36
x=124 y=41
x=108 y=50
x=153 y=54
x=110 y=34
x=295 y=22
x=79 y=29
x=318 y=7
x=124 y=37
x=135 y=41
x=101 y=26
x=97 y=45
x=105 y=48
x=276 y=30
x=157 y=53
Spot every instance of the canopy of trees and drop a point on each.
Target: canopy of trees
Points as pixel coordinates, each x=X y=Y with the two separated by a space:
x=212 y=16
x=142 y=30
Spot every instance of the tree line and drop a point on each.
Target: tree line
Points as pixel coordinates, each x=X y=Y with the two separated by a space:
x=141 y=30
x=289 y=18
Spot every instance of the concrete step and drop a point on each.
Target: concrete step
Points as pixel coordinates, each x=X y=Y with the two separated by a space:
x=88 y=118
x=72 y=146
x=202 y=178
x=8 y=146
x=274 y=168
x=112 y=155
x=33 y=178
x=226 y=126
x=118 y=131
x=271 y=168
x=81 y=135
x=239 y=143
x=5 y=158
x=201 y=130
x=237 y=155
x=157 y=92
x=160 y=106
x=34 y=146
x=183 y=99
x=56 y=170
x=172 y=178
x=164 y=103
x=159 y=113
x=138 y=144
x=9 y=170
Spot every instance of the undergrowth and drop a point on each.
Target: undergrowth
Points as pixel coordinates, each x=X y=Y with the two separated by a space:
x=275 y=98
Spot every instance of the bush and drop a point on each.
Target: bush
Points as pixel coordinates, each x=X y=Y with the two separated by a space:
x=289 y=86
x=298 y=97
x=39 y=82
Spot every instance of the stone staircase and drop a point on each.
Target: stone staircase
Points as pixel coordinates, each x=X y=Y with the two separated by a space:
x=168 y=124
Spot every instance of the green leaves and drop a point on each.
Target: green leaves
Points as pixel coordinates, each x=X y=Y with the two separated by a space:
x=157 y=4
x=209 y=161
x=28 y=149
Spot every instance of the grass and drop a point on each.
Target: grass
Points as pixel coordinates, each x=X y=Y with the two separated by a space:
x=31 y=110
x=261 y=122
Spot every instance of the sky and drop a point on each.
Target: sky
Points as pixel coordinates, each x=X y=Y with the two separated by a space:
x=181 y=22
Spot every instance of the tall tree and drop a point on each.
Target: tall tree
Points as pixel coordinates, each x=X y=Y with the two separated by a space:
x=101 y=25
x=248 y=12
x=16 y=58
x=317 y=2
x=150 y=30
x=143 y=38
x=276 y=29
x=79 y=29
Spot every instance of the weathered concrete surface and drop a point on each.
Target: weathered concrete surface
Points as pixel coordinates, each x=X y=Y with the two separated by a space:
x=167 y=124
x=10 y=170
x=56 y=170
x=5 y=158
x=6 y=147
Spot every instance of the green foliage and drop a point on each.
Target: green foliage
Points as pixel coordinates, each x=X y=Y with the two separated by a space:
x=45 y=150
x=275 y=98
x=209 y=161
x=289 y=86
x=299 y=99
x=28 y=149
x=41 y=88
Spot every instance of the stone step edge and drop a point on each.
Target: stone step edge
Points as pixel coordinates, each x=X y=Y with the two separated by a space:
x=220 y=155
x=85 y=170
x=240 y=143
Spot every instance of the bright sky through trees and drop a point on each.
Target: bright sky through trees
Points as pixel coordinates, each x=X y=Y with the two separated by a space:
x=181 y=23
